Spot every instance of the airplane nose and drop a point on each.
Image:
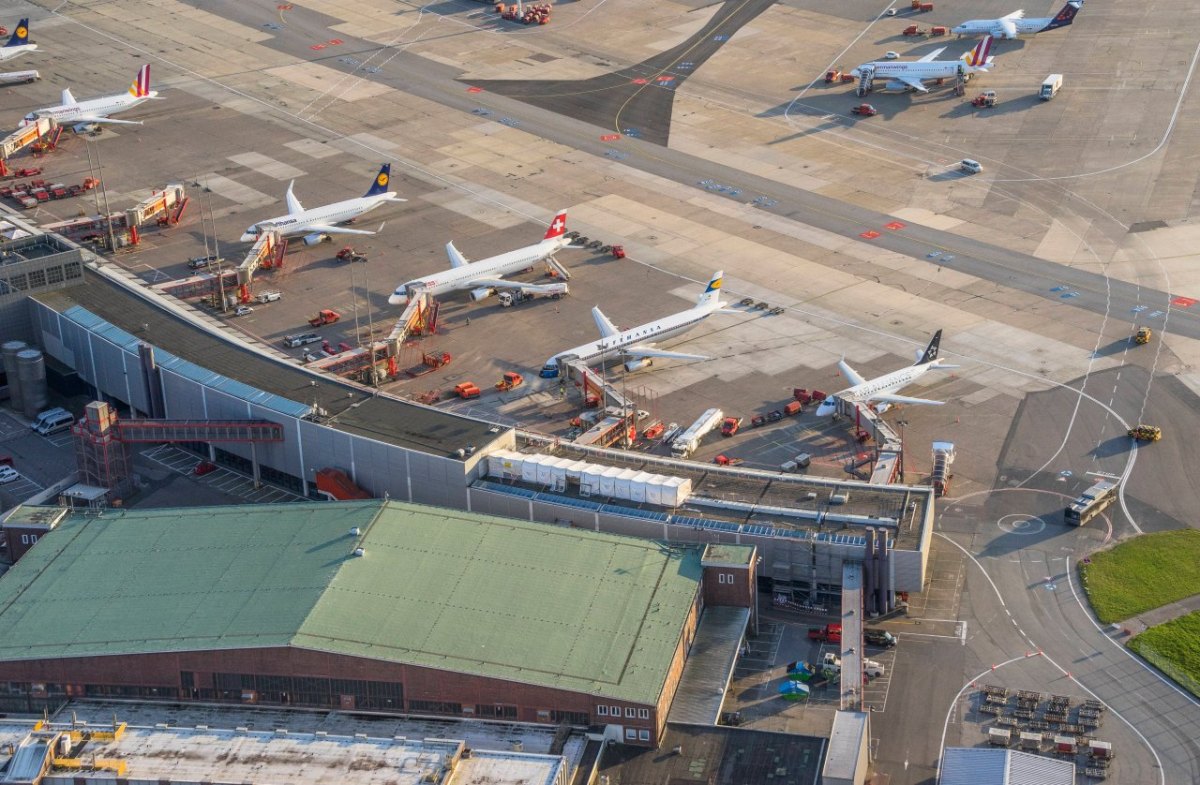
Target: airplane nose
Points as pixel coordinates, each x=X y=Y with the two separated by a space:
x=398 y=299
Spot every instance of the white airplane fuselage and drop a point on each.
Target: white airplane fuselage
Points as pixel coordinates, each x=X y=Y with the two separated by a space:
x=610 y=348
x=459 y=278
x=302 y=222
x=888 y=383
x=96 y=107
x=938 y=69
x=992 y=28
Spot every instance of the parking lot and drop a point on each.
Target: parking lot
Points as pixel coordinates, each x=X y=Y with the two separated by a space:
x=221 y=479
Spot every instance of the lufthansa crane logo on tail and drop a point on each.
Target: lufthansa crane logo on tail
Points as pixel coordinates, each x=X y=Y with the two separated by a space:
x=381 y=180
x=22 y=32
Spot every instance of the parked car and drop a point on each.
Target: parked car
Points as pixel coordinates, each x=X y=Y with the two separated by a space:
x=243 y=310
x=8 y=474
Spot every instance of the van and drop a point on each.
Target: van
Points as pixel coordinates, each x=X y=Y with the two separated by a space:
x=198 y=262
x=292 y=341
x=53 y=421
x=269 y=297
x=970 y=166
x=1050 y=87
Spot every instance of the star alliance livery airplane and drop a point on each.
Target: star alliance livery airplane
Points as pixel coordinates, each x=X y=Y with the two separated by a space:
x=85 y=114
x=318 y=222
x=638 y=343
x=878 y=392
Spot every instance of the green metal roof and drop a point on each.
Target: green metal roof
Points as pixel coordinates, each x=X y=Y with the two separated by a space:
x=496 y=597
x=723 y=553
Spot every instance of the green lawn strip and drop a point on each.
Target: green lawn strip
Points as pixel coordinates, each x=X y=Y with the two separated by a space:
x=1174 y=648
x=1144 y=573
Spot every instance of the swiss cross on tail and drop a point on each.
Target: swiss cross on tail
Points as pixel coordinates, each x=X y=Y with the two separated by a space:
x=557 y=227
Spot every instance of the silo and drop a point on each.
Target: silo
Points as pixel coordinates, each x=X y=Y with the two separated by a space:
x=9 y=352
x=31 y=368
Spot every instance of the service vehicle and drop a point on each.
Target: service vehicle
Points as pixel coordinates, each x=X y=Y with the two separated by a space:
x=467 y=390
x=1050 y=87
x=1091 y=503
x=300 y=339
x=877 y=637
x=1146 y=433
x=510 y=380
x=323 y=317
x=1143 y=336
x=830 y=633
x=970 y=166
x=268 y=297
x=200 y=262
x=730 y=426
x=866 y=110
x=687 y=442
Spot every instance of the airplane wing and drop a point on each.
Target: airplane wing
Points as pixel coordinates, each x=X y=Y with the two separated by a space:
x=326 y=229
x=603 y=324
x=85 y=119
x=886 y=398
x=456 y=257
x=929 y=58
x=648 y=351
x=293 y=203
x=1015 y=15
x=850 y=374
x=908 y=81
x=1008 y=28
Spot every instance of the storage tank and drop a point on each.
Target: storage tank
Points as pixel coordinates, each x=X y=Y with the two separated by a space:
x=9 y=351
x=31 y=369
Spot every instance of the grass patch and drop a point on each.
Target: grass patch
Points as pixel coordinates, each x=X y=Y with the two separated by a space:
x=1142 y=574
x=1174 y=648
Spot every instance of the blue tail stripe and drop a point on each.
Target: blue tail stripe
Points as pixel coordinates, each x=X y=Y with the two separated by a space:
x=380 y=186
x=20 y=35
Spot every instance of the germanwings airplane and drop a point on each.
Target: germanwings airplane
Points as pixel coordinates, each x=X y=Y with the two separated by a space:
x=82 y=114
x=1015 y=24
x=910 y=74
x=19 y=43
x=487 y=275
x=314 y=224
x=878 y=392
x=639 y=342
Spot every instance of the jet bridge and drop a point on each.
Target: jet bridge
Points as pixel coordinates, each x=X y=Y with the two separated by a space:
x=23 y=137
x=267 y=252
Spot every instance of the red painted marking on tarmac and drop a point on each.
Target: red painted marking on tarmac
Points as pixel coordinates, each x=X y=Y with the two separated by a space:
x=870 y=234
x=317 y=47
x=1183 y=302
x=640 y=80
x=894 y=226
x=284 y=6
x=610 y=137
x=335 y=42
x=474 y=89
x=666 y=78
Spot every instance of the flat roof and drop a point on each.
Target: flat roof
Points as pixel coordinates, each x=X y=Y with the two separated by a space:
x=211 y=755
x=454 y=591
x=727 y=555
x=350 y=408
x=846 y=742
x=990 y=766
x=717 y=755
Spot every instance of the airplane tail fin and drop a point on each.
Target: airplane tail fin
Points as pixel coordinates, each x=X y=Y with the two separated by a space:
x=931 y=351
x=141 y=84
x=558 y=227
x=1066 y=16
x=20 y=36
x=382 y=179
x=979 y=56
x=712 y=294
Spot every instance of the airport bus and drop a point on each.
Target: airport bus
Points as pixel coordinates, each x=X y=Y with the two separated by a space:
x=1093 y=502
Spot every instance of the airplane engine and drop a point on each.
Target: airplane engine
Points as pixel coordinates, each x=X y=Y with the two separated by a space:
x=897 y=85
x=482 y=293
x=315 y=239
x=637 y=365
x=880 y=408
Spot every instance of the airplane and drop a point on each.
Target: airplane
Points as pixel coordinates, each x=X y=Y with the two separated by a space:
x=878 y=392
x=85 y=114
x=487 y=275
x=1015 y=24
x=909 y=74
x=638 y=343
x=19 y=43
x=314 y=224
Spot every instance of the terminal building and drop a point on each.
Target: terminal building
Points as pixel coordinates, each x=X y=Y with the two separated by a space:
x=366 y=606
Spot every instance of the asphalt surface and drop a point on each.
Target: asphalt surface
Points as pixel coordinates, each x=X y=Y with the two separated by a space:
x=436 y=82
x=635 y=101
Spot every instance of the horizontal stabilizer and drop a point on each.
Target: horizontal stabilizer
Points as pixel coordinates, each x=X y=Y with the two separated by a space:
x=929 y=58
x=889 y=398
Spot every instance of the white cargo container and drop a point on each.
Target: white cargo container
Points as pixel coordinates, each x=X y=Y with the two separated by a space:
x=638 y=486
x=624 y=484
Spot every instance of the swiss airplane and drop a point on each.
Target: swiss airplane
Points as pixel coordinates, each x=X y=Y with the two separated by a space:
x=482 y=278
x=1015 y=24
x=638 y=343
x=82 y=114
x=19 y=43
x=314 y=224
x=878 y=392
x=911 y=74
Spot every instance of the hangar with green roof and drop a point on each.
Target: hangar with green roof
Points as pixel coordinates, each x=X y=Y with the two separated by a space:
x=371 y=606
